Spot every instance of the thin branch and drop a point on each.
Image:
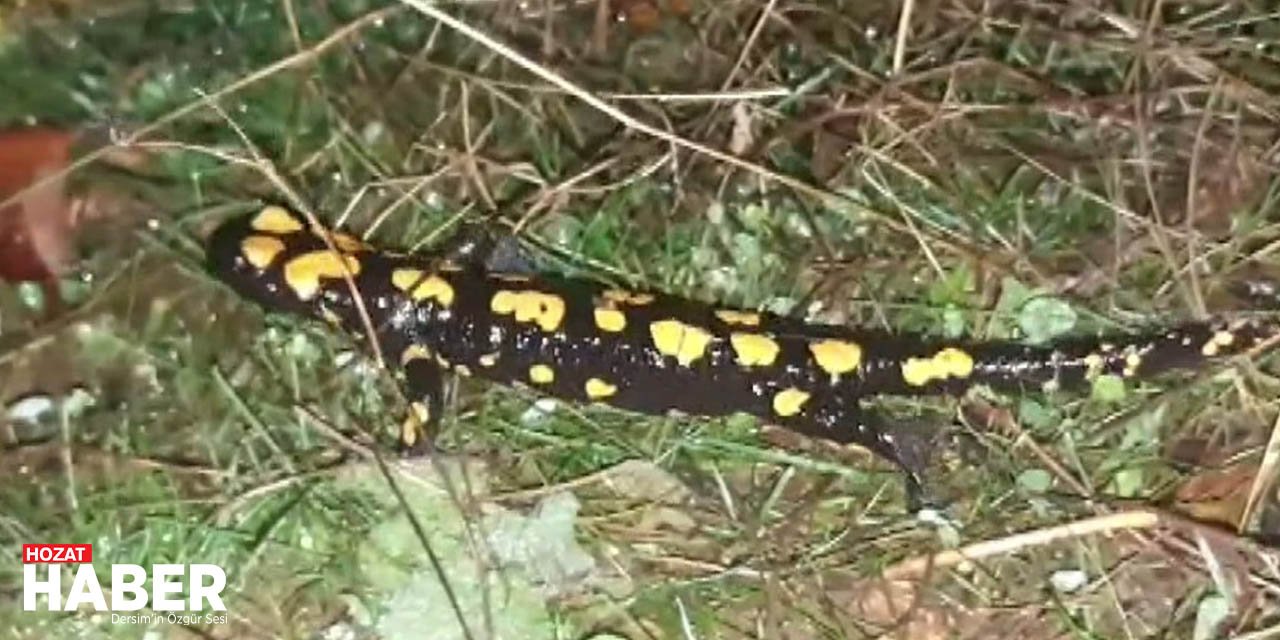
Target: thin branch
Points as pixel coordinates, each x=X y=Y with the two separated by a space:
x=825 y=196
x=296 y=60
x=904 y=29
x=920 y=565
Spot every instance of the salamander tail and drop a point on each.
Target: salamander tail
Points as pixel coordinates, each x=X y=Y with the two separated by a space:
x=1074 y=362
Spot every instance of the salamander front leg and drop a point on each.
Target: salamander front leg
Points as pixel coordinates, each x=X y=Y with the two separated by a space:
x=475 y=247
x=424 y=387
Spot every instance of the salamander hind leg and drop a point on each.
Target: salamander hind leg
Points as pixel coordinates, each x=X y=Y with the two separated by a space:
x=424 y=387
x=846 y=422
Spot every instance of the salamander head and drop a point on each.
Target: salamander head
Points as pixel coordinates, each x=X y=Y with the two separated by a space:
x=273 y=257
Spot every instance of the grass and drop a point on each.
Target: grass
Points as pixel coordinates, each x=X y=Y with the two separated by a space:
x=1009 y=170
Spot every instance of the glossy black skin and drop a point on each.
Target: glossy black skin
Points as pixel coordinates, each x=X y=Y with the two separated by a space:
x=652 y=383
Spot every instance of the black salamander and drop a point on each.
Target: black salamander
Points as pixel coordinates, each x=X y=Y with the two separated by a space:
x=650 y=352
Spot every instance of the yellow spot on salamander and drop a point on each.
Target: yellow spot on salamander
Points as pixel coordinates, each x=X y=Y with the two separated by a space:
x=1215 y=344
x=435 y=288
x=754 y=349
x=423 y=286
x=421 y=412
x=1094 y=364
x=789 y=403
x=261 y=251
x=347 y=242
x=411 y=429
x=610 y=320
x=414 y=352
x=488 y=359
x=503 y=302
x=303 y=273
x=1132 y=361
x=628 y=297
x=330 y=316
x=836 y=356
x=405 y=278
x=463 y=370
x=275 y=220
x=946 y=363
x=679 y=340
x=744 y=318
x=409 y=433
x=541 y=374
x=543 y=309
x=597 y=389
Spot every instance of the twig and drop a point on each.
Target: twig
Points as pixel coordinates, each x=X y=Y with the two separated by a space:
x=920 y=565
x=713 y=96
x=830 y=198
x=338 y=438
x=749 y=44
x=1264 y=478
x=297 y=59
x=904 y=28
x=268 y=169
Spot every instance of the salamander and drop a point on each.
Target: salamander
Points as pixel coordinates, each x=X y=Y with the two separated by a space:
x=650 y=352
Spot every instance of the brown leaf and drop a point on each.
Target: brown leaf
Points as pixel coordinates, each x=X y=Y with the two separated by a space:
x=1217 y=496
x=35 y=229
x=642 y=15
x=42 y=216
x=646 y=16
x=893 y=605
x=680 y=7
x=989 y=417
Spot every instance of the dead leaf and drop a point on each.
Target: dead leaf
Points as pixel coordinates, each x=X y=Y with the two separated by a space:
x=1217 y=496
x=641 y=480
x=642 y=15
x=985 y=416
x=36 y=229
x=646 y=16
x=834 y=137
x=1229 y=179
x=894 y=606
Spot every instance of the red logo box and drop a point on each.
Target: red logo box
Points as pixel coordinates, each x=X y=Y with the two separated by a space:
x=56 y=553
